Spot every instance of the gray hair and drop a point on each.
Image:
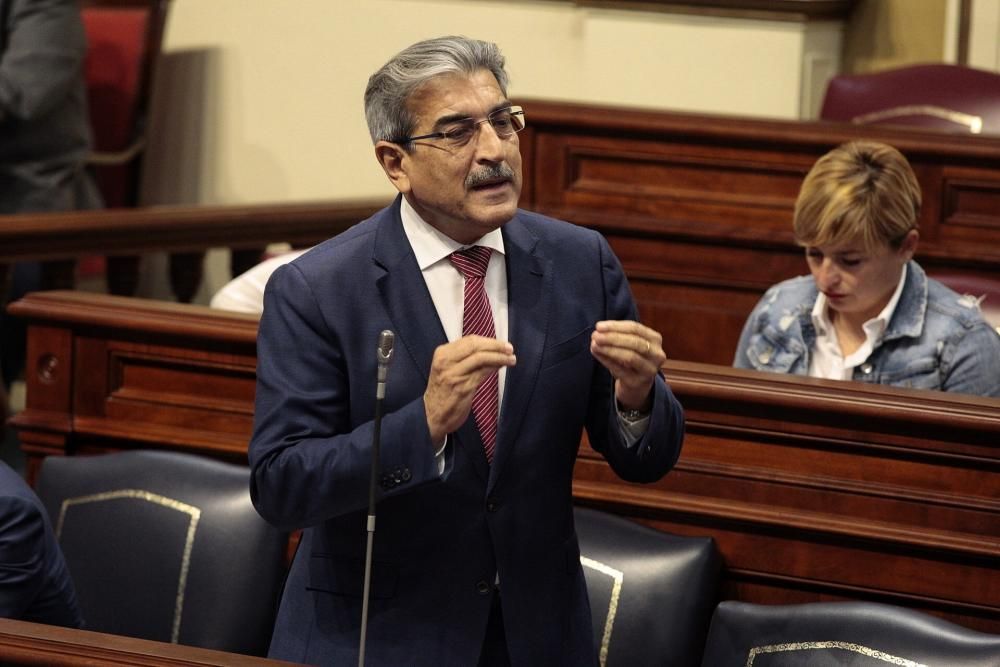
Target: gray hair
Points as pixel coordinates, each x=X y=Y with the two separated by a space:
x=392 y=85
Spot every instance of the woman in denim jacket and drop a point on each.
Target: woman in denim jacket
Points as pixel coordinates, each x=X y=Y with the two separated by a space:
x=868 y=312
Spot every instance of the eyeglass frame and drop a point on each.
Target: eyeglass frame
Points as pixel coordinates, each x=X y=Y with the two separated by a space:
x=512 y=110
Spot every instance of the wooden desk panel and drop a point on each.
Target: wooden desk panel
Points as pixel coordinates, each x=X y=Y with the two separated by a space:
x=23 y=643
x=813 y=489
x=699 y=207
x=106 y=371
x=828 y=490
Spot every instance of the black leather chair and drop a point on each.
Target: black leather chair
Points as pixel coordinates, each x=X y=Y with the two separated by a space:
x=828 y=634
x=166 y=546
x=651 y=593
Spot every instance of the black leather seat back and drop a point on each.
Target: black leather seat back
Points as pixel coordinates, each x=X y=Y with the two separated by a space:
x=828 y=634
x=651 y=593
x=166 y=546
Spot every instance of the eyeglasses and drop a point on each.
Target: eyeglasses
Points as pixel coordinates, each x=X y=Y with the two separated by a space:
x=505 y=122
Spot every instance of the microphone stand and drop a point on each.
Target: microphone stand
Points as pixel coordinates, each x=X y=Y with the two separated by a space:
x=385 y=344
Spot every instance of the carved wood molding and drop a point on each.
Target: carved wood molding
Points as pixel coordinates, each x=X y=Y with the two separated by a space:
x=24 y=643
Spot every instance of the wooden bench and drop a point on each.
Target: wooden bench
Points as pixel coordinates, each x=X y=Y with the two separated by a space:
x=812 y=489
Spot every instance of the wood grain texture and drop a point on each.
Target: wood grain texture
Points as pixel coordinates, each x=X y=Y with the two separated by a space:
x=813 y=489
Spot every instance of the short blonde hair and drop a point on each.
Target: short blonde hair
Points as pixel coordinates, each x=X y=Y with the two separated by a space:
x=861 y=190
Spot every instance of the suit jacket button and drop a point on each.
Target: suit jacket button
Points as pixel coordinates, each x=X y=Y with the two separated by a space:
x=492 y=505
x=407 y=475
x=482 y=587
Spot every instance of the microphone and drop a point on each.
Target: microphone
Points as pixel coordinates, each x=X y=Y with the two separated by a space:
x=383 y=355
x=386 y=339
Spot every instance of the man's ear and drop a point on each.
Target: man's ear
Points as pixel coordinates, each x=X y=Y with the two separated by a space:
x=393 y=160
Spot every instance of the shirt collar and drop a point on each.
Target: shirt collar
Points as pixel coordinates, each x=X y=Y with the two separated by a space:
x=874 y=328
x=431 y=246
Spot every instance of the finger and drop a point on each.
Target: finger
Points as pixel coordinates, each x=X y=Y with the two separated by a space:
x=634 y=368
x=628 y=335
x=631 y=352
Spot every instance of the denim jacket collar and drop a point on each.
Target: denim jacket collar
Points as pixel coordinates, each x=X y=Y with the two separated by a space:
x=908 y=318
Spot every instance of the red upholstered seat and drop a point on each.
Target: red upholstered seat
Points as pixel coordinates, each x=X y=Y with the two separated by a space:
x=945 y=97
x=123 y=45
x=122 y=40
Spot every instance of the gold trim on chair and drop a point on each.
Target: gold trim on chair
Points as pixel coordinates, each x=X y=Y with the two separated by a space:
x=974 y=123
x=193 y=512
x=617 y=576
x=845 y=646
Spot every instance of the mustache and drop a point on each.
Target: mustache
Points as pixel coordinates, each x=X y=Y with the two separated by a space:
x=490 y=173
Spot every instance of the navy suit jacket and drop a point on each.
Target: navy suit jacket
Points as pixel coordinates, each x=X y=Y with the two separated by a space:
x=35 y=584
x=440 y=541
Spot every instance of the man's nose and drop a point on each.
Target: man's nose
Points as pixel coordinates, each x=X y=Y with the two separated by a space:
x=489 y=145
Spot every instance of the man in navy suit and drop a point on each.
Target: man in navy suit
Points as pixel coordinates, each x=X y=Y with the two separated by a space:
x=476 y=559
x=35 y=584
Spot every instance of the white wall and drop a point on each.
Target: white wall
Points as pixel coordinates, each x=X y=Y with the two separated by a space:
x=260 y=100
x=984 y=35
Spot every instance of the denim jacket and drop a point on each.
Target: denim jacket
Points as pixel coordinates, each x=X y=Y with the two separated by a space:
x=936 y=339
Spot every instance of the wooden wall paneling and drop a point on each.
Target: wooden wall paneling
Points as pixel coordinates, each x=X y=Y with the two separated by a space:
x=699 y=207
x=124 y=372
x=825 y=490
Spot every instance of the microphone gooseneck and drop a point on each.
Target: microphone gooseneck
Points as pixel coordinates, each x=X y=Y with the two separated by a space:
x=383 y=355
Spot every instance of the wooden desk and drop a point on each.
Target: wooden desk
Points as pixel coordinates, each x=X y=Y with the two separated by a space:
x=23 y=643
x=813 y=489
x=699 y=208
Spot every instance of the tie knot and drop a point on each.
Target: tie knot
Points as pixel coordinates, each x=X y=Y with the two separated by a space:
x=472 y=261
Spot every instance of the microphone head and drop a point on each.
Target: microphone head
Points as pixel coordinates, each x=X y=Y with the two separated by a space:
x=386 y=339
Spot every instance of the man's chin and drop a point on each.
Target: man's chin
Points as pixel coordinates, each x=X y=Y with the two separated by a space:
x=494 y=217
x=493 y=212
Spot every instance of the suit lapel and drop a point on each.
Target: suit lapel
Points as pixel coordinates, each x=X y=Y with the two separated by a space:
x=528 y=296
x=415 y=322
x=404 y=292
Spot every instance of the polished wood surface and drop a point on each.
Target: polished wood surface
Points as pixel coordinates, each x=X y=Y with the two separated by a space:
x=60 y=238
x=817 y=490
x=23 y=643
x=699 y=208
x=813 y=489
x=102 y=369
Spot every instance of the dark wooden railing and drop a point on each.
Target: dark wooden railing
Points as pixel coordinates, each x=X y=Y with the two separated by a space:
x=23 y=643
x=60 y=239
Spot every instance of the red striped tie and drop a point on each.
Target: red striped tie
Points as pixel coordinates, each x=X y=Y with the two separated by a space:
x=477 y=318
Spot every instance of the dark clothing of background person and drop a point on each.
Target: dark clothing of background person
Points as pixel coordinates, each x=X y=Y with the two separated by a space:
x=45 y=135
x=35 y=584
